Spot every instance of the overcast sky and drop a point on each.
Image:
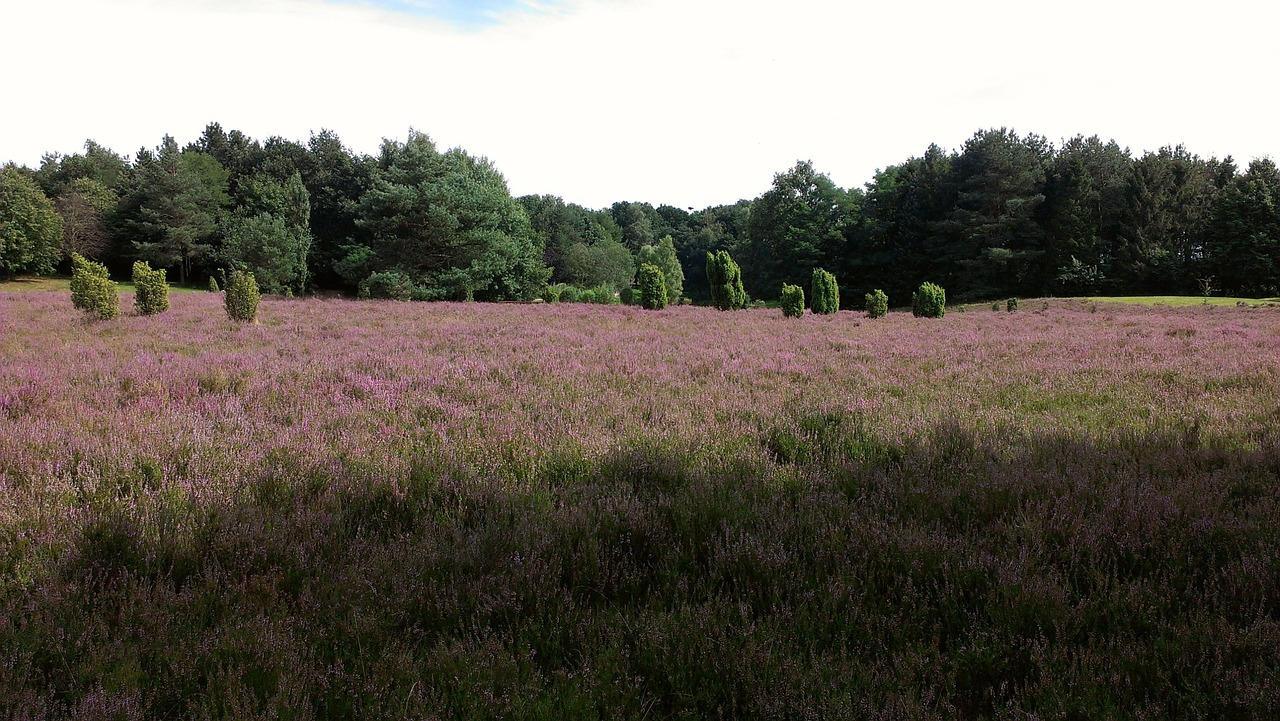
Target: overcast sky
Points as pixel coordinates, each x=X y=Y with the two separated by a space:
x=683 y=102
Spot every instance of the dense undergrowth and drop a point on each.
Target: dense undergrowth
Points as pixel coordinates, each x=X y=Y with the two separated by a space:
x=465 y=511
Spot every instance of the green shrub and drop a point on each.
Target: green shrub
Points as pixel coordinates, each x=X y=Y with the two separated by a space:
x=92 y=289
x=824 y=293
x=630 y=296
x=151 y=292
x=570 y=294
x=995 y=306
x=792 y=301
x=242 y=296
x=606 y=295
x=1011 y=305
x=390 y=284
x=725 y=278
x=877 y=304
x=930 y=301
x=213 y=285
x=653 y=287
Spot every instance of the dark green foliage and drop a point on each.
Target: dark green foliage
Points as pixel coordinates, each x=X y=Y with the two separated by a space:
x=151 y=292
x=30 y=227
x=1011 y=305
x=270 y=234
x=213 y=285
x=799 y=224
x=630 y=296
x=92 y=289
x=877 y=304
x=792 y=301
x=242 y=296
x=570 y=294
x=171 y=209
x=448 y=222
x=602 y=295
x=929 y=301
x=725 y=279
x=391 y=284
x=606 y=262
x=1244 y=243
x=552 y=293
x=824 y=293
x=653 y=287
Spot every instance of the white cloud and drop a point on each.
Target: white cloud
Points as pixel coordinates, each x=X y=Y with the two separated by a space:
x=667 y=101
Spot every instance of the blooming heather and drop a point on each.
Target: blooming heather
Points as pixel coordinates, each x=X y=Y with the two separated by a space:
x=381 y=509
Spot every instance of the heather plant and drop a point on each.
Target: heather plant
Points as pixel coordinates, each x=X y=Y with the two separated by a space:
x=877 y=304
x=792 y=301
x=92 y=289
x=653 y=287
x=151 y=292
x=825 y=293
x=241 y=296
x=373 y=510
x=929 y=301
x=1011 y=305
x=725 y=278
x=213 y=285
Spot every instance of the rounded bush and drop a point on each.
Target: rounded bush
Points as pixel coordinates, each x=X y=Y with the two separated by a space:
x=92 y=289
x=151 y=292
x=877 y=304
x=792 y=301
x=653 y=287
x=930 y=301
x=242 y=296
x=1011 y=305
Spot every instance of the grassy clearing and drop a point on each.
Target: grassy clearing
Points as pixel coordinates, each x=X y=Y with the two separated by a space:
x=394 y=510
x=1181 y=300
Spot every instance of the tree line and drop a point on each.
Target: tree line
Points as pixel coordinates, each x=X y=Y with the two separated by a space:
x=1004 y=215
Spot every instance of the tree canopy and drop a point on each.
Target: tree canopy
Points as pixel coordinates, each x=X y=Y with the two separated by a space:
x=1006 y=214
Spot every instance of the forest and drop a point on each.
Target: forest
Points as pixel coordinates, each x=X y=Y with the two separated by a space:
x=1004 y=215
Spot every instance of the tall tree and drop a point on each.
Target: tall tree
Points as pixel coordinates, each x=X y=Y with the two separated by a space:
x=176 y=200
x=991 y=244
x=448 y=221
x=30 y=227
x=270 y=235
x=1243 y=246
x=1083 y=209
x=337 y=180
x=797 y=225
x=561 y=225
x=1170 y=197
x=636 y=221
x=663 y=257
x=84 y=206
x=605 y=262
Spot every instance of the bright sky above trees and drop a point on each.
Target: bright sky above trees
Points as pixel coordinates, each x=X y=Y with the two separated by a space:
x=686 y=102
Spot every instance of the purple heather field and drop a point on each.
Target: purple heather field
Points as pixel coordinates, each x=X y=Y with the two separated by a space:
x=376 y=509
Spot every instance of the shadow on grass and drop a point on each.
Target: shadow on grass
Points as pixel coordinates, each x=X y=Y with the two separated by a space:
x=811 y=573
